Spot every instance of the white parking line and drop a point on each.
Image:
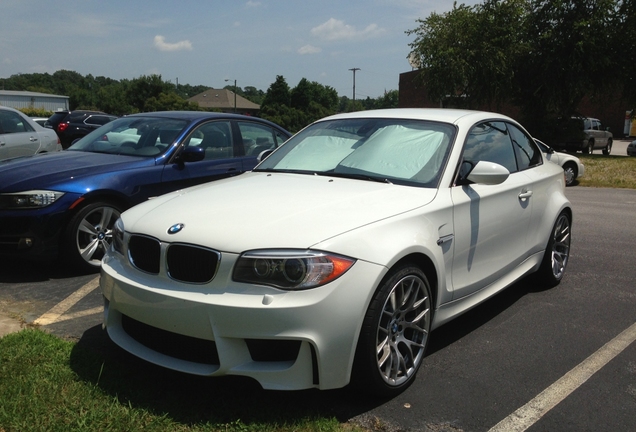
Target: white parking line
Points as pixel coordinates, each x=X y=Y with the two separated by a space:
x=531 y=412
x=54 y=314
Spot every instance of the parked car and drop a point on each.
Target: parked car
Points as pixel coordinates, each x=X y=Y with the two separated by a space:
x=40 y=120
x=587 y=134
x=21 y=136
x=67 y=202
x=337 y=255
x=72 y=125
x=572 y=166
x=631 y=148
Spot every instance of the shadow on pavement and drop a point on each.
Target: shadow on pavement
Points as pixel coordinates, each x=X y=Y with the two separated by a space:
x=14 y=270
x=192 y=399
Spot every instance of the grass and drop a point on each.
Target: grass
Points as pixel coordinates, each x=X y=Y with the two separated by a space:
x=608 y=171
x=49 y=384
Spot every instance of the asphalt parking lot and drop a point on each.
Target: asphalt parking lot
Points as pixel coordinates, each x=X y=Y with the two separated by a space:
x=562 y=359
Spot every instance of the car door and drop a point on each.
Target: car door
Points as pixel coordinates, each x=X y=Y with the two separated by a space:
x=222 y=157
x=490 y=221
x=17 y=137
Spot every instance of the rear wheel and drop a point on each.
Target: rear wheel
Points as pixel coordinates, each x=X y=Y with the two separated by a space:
x=394 y=334
x=89 y=235
x=608 y=148
x=557 y=252
x=590 y=147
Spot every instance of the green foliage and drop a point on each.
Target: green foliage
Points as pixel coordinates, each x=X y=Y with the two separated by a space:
x=36 y=112
x=544 y=55
x=291 y=108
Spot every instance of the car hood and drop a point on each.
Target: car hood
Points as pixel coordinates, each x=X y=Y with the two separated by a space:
x=271 y=210
x=53 y=170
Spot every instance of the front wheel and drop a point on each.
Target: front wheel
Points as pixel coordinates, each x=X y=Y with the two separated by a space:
x=394 y=333
x=89 y=235
x=570 y=172
x=590 y=147
x=557 y=252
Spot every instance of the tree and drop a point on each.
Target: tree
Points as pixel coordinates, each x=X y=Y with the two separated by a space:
x=142 y=89
x=278 y=93
x=542 y=55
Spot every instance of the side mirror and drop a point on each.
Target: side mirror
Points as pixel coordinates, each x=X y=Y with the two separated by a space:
x=488 y=173
x=263 y=155
x=191 y=154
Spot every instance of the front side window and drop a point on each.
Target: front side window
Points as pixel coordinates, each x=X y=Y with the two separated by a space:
x=409 y=152
x=215 y=138
x=490 y=141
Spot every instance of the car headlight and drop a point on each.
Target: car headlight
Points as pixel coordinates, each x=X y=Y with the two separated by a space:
x=29 y=199
x=118 y=236
x=290 y=269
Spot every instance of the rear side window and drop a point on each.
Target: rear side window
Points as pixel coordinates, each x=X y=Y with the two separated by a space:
x=526 y=151
x=257 y=138
x=11 y=122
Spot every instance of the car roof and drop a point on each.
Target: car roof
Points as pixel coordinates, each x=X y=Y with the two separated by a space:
x=433 y=114
x=201 y=115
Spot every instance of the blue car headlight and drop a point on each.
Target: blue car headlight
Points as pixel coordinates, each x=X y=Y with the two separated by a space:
x=29 y=199
x=290 y=269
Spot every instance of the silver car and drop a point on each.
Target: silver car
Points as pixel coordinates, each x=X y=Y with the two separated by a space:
x=21 y=136
x=588 y=134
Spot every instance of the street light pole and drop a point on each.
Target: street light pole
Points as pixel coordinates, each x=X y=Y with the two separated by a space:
x=354 y=82
x=234 y=94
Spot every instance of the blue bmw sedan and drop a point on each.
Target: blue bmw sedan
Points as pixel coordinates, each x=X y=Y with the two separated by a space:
x=65 y=203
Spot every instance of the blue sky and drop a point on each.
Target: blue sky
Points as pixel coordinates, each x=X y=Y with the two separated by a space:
x=208 y=42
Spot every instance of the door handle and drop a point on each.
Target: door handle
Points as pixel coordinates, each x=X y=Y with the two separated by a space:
x=33 y=139
x=525 y=194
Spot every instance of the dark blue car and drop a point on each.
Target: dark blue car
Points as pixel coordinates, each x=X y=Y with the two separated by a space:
x=67 y=202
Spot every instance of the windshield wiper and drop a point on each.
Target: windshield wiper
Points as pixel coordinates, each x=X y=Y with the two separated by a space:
x=354 y=176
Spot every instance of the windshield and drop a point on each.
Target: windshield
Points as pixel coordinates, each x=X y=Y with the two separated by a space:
x=411 y=152
x=134 y=136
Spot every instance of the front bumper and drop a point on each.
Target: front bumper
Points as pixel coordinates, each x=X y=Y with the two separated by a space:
x=287 y=340
x=34 y=233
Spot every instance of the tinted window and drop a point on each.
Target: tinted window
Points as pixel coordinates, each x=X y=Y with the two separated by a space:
x=490 y=142
x=527 y=153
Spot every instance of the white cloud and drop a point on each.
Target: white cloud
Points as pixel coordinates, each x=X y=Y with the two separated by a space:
x=162 y=45
x=334 y=29
x=252 y=3
x=309 y=49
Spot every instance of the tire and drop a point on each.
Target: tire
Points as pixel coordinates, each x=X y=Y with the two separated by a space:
x=394 y=334
x=608 y=148
x=571 y=171
x=557 y=252
x=590 y=147
x=89 y=234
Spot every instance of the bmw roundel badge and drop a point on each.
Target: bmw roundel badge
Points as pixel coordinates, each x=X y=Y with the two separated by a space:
x=175 y=228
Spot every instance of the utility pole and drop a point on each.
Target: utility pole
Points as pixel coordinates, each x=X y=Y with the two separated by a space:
x=234 y=93
x=354 y=82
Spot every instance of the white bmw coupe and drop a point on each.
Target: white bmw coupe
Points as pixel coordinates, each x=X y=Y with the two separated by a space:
x=333 y=260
